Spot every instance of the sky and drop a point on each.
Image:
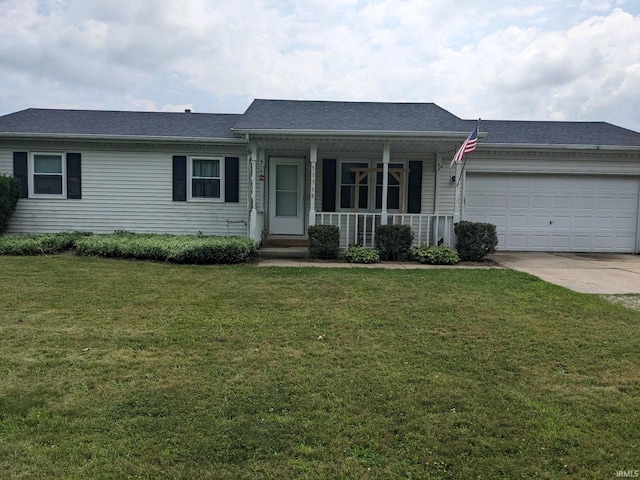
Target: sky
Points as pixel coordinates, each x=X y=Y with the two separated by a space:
x=574 y=60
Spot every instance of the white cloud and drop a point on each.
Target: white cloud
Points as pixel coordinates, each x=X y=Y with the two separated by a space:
x=527 y=59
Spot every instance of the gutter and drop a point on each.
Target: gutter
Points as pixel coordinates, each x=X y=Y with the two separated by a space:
x=559 y=146
x=118 y=138
x=355 y=133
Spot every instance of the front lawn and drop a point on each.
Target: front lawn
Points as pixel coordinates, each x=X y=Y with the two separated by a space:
x=123 y=369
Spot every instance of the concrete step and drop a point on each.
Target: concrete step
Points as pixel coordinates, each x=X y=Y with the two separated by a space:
x=283 y=252
x=285 y=241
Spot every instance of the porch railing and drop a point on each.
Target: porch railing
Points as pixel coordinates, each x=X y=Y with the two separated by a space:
x=360 y=228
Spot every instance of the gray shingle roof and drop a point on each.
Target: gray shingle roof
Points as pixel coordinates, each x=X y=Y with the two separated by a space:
x=117 y=123
x=291 y=115
x=305 y=116
x=556 y=133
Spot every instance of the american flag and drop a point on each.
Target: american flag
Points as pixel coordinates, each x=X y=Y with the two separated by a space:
x=468 y=146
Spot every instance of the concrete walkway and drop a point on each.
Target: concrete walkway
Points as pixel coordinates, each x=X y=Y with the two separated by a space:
x=601 y=273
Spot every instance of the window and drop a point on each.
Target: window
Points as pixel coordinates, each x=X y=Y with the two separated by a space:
x=206 y=178
x=393 y=192
x=348 y=186
x=47 y=174
x=370 y=193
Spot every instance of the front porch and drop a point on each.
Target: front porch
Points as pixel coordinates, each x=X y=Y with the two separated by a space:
x=354 y=185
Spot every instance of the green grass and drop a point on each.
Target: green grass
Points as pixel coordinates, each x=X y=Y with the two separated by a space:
x=123 y=369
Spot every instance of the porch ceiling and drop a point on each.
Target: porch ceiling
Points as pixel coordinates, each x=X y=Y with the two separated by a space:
x=354 y=145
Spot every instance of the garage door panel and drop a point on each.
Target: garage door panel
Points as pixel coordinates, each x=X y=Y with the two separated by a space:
x=560 y=242
x=539 y=241
x=560 y=222
x=562 y=203
x=582 y=222
x=476 y=201
x=518 y=221
x=498 y=220
x=540 y=221
x=583 y=203
x=561 y=212
x=540 y=202
x=498 y=201
x=519 y=201
x=604 y=223
x=515 y=242
x=582 y=243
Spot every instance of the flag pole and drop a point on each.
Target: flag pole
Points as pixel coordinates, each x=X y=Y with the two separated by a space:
x=464 y=163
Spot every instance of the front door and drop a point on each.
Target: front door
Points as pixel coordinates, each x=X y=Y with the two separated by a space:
x=286 y=196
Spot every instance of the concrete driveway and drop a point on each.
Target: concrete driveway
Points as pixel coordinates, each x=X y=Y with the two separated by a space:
x=601 y=273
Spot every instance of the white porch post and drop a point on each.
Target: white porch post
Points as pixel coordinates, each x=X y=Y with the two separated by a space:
x=313 y=159
x=386 y=155
x=253 y=216
x=457 y=202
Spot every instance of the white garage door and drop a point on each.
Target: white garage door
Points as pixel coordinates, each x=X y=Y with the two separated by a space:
x=556 y=213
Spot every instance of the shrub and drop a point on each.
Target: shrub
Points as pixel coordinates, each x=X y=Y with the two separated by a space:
x=9 y=195
x=393 y=242
x=476 y=240
x=190 y=249
x=44 y=244
x=324 y=241
x=359 y=254
x=435 y=255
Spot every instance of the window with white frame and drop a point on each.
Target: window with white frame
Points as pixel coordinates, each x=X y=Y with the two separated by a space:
x=206 y=182
x=47 y=174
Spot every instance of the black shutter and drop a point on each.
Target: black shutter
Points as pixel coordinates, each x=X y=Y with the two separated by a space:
x=231 y=179
x=180 y=178
x=328 y=185
x=21 y=172
x=414 y=194
x=74 y=175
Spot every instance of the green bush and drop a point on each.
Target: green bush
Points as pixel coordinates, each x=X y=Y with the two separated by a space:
x=393 y=242
x=476 y=240
x=9 y=195
x=435 y=254
x=324 y=241
x=44 y=244
x=189 y=249
x=359 y=254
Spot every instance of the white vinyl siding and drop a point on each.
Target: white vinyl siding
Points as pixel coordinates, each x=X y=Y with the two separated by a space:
x=124 y=190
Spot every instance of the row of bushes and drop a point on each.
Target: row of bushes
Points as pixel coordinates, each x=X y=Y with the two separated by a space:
x=189 y=249
x=394 y=242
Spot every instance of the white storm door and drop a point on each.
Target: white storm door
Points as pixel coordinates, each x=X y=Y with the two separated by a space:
x=286 y=196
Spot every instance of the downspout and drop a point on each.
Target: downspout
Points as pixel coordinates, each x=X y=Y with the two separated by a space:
x=436 y=181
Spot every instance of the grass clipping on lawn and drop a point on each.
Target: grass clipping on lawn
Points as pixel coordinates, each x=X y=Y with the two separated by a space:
x=119 y=369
